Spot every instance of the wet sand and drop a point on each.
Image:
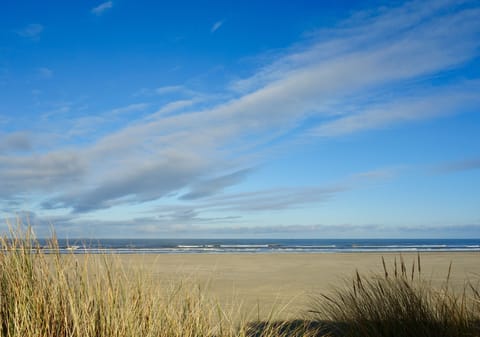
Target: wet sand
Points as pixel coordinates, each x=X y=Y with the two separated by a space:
x=288 y=282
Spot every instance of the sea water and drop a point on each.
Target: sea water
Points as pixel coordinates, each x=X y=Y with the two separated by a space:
x=260 y=246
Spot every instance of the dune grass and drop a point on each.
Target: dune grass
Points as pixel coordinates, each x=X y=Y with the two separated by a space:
x=400 y=303
x=92 y=295
x=63 y=295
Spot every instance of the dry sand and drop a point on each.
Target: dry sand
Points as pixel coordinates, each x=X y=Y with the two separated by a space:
x=265 y=281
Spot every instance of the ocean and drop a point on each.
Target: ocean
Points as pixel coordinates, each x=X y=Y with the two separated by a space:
x=260 y=246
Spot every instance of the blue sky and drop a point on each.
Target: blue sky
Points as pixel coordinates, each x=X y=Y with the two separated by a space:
x=241 y=119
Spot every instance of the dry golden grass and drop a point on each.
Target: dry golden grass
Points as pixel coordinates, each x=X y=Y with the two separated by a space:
x=64 y=295
x=401 y=303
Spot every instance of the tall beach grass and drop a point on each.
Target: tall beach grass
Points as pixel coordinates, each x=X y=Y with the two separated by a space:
x=93 y=295
x=400 y=303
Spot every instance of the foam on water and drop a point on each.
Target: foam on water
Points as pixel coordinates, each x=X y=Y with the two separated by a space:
x=262 y=246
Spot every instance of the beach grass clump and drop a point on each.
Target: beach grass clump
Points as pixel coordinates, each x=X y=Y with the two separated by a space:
x=399 y=303
x=92 y=295
x=47 y=294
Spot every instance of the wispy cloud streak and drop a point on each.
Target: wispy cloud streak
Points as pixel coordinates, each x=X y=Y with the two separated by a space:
x=216 y=26
x=100 y=9
x=336 y=81
x=31 y=31
x=459 y=166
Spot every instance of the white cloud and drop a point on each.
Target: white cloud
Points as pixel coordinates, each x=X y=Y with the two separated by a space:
x=31 y=31
x=173 y=106
x=459 y=165
x=100 y=9
x=442 y=102
x=39 y=172
x=129 y=108
x=204 y=197
x=135 y=181
x=171 y=89
x=216 y=26
x=213 y=186
x=16 y=141
x=4 y=120
x=59 y=110
x=387 y=30
x=339 y=79
x=45 y=72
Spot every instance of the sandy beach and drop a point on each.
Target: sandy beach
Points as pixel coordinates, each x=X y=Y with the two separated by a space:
x=287 y=282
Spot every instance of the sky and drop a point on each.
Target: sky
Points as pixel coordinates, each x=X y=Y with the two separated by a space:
x=288 y=119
